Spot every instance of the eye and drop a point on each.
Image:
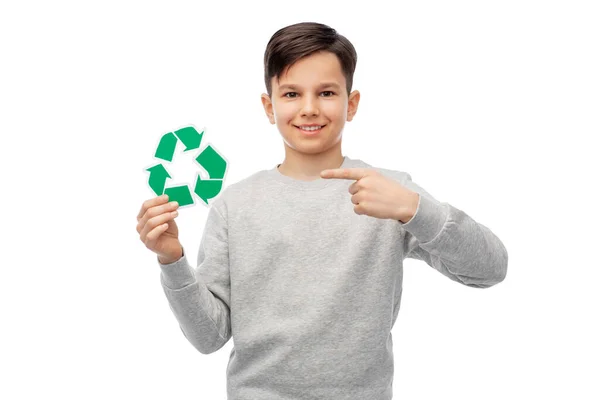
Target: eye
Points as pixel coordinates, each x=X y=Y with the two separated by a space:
x=329 y=91
x=286 y=95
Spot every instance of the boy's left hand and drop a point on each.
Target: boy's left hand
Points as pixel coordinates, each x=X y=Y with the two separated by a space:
x=376 y=195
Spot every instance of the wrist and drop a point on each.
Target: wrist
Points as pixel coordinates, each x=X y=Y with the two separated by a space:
x=410 y=212
x=169 y=259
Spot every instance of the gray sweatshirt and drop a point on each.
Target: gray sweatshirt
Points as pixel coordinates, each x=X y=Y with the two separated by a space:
x=308 y=289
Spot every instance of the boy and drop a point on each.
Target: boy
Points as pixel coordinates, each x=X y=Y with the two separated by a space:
x=302 y=264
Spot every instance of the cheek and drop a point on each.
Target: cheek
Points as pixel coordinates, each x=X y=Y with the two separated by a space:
x=284 y=113
x=334 y=111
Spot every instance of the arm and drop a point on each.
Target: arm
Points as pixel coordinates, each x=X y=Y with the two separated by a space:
x=200 y=299
x=450 y=241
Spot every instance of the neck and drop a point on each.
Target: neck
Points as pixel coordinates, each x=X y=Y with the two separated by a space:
x=308 y=167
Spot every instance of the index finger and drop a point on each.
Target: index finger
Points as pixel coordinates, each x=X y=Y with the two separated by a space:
x=151 y=203
x=344 y=173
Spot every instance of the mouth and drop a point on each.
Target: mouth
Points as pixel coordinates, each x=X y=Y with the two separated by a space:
x=310 y=130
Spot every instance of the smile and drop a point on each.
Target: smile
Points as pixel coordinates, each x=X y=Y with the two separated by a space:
x=310 y=130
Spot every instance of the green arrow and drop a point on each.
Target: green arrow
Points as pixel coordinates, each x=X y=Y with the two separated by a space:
x=166 y=147
x=180 y=194
x=190 y=137
x=158 y=177
x=207 y=188
x=212 y=162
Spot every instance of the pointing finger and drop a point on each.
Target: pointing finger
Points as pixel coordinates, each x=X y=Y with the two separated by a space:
x=344 y=173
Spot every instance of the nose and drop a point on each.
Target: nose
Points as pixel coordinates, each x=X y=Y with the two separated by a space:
x=310 y=106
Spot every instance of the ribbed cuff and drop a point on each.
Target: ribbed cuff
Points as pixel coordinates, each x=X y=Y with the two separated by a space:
x=178 y=274
x=429 y=219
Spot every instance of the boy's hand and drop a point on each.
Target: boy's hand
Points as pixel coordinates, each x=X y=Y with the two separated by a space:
x=376 y=195
x=158 y=229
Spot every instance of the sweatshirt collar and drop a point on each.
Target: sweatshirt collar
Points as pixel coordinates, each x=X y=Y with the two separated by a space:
x=315 y=184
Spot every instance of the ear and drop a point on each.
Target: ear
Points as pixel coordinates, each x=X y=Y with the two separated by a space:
x=268 y=106
x=353 y=100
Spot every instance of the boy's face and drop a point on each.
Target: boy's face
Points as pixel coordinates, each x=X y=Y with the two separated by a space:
x=311 y=91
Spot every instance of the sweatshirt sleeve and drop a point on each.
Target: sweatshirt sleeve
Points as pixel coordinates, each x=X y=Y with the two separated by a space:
x=200 y=298
x=450 y=241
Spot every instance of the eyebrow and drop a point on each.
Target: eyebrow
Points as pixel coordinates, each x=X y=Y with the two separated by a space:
x=323 y=85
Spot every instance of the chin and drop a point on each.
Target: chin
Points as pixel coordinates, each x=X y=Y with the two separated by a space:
x=312 y=147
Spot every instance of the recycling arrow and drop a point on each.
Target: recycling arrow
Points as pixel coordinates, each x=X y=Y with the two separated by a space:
x=209 y=159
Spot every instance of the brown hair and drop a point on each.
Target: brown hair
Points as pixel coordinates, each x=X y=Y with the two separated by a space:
x=291 y=43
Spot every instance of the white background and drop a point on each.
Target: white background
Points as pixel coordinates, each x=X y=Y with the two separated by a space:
x=491 y=106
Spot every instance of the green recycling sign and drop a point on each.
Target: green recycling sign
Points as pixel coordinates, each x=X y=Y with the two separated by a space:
x=209 y=159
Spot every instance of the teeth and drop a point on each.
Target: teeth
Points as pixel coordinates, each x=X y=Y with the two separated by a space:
x=311 y=128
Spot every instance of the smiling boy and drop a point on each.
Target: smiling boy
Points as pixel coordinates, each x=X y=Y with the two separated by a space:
x=302 y=264
x=312 y=92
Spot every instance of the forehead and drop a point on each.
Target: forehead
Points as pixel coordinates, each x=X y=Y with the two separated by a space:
x=313 y=70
